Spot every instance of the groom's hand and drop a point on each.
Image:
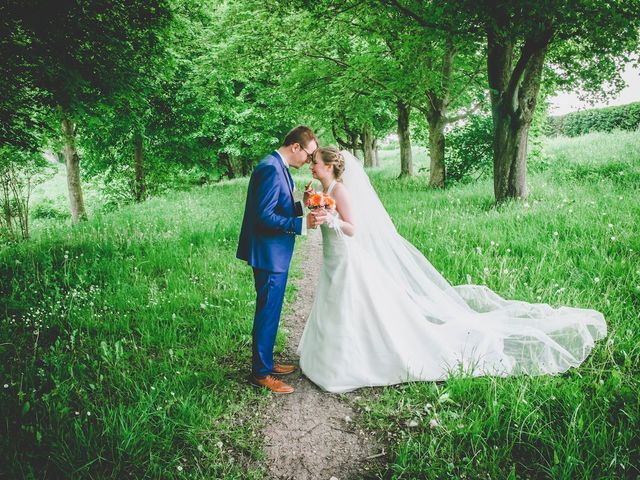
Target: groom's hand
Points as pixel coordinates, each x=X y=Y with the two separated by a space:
x=316 y=217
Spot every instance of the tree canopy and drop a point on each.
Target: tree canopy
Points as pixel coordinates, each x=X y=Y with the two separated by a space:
x=148 y=88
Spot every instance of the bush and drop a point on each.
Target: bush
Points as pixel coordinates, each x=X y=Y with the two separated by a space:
x=48 y=209
x=469 y=149
x=623 y=117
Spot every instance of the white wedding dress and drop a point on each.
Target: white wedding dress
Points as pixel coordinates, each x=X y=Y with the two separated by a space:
x=383 y=315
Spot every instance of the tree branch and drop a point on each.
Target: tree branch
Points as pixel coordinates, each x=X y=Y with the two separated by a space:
x=531 y=47
x=420 y=20
x=466 y=114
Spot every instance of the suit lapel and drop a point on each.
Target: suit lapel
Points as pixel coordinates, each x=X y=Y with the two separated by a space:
x=287 y=175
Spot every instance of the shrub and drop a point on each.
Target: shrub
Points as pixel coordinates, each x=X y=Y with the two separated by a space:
x=623 y=117
x=48 y=209
x=469 y=149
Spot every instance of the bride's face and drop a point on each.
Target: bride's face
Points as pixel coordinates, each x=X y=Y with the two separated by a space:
x=319 y=169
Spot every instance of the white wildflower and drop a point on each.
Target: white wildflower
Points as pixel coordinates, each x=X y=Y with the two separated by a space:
x=444 y=397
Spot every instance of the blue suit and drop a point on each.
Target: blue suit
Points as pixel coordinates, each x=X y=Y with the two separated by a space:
x=271 y=221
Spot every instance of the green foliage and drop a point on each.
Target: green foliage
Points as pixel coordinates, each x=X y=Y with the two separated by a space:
x=49 y=209
x=20 y=172
x=469 y=150
x=126 y=342
x=469 y=153
x=623 y=117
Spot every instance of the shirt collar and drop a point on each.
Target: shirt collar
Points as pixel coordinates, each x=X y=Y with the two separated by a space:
x=277 y=154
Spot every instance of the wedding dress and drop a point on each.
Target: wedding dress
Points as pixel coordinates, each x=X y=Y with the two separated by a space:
x=384 y=315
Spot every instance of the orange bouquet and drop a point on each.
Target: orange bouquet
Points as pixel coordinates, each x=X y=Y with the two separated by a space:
x=320 y=200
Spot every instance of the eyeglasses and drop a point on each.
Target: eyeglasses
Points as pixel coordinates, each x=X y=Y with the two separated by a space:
x=309 y=155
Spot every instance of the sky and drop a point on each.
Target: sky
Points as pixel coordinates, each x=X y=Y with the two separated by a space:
x=569 y=102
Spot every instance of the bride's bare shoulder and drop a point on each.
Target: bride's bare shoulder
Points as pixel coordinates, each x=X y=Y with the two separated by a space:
x=340 y=188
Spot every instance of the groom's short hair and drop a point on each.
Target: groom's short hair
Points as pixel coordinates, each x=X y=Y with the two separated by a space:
x=300 y=134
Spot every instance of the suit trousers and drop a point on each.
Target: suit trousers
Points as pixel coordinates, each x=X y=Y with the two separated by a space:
x=270 y=288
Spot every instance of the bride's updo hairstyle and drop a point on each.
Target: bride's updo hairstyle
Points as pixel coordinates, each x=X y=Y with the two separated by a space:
x=332 y=156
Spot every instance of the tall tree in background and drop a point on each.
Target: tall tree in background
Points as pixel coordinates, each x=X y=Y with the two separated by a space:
x=449 y=61
x=586 y=43
x=80 y=53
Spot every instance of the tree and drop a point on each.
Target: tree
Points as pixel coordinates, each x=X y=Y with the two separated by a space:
x=80 y=53
x=584 y=41
x=22 y=116
x=447 y=62
x=20 y=172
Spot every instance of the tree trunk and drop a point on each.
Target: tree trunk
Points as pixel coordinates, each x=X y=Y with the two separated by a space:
x=376 y=159
x=406 y=157
x=353 y=138
x=437 y=111
x=342 y=143
x=140 y=186
x=72 y=162
x=514 y=88
x=510 y=157
x=367 y=146
x=224 y=160
x=436 y=150
x=246 y=166
x=6 y=203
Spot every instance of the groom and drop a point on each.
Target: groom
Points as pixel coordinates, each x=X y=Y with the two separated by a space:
x=271 y=221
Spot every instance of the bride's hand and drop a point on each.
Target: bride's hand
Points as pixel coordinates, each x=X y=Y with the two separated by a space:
x=316 y=217
x=308 y=190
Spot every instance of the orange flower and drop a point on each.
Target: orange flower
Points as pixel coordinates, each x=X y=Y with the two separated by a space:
x=320 y=200
x=316 y=200
x=331 y=203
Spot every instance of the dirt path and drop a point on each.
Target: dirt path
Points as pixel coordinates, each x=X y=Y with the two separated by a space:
x=310 y=434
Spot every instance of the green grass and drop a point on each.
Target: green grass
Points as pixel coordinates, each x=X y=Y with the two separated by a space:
x=574 y=242
x=125 y=341
x=125 y=345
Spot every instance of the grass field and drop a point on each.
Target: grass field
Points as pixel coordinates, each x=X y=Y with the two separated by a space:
x=575 y=241
x=125 y=341
x=125 y=344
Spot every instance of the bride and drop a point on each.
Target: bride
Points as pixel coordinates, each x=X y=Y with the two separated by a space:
x=383 y=314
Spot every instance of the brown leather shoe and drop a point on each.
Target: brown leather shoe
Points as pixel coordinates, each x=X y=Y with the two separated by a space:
x=282 y=369
x=271 y=383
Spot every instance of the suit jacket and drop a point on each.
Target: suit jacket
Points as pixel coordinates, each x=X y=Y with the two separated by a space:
x=271 y=219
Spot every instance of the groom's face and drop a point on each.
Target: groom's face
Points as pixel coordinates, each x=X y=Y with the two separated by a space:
x=303 y=155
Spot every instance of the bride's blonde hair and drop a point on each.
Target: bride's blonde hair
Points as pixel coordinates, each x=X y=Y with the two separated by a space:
x=332 y=156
